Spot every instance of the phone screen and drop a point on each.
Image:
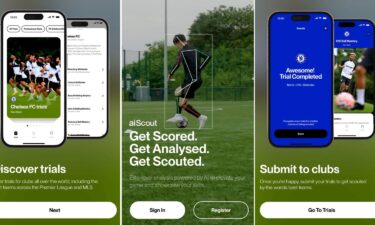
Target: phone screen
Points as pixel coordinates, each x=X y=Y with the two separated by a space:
x=87 y=78
x=354 y=79
x=300 y=79
x=33 y=107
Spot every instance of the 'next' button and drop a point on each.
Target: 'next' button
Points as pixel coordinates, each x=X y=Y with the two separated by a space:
x=57 y=210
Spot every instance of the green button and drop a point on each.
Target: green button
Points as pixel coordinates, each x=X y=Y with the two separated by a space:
x=220 y=210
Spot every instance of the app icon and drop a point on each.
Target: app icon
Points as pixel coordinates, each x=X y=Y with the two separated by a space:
x=301 y=58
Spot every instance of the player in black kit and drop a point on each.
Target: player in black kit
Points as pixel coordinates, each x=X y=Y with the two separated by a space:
x=366 y=66
x=193 y=61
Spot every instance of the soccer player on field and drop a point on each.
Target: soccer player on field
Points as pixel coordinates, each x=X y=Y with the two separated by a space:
x=30 y=65
x=365 y=66
x=54 y=72
x=41 y=80
x=15 y=65
x=49 y=73
x=348 y=69
x=24 y=81
x=37 y=71
x=54 y=80
x=11 y=75
x=193 y=62
x=58 y=66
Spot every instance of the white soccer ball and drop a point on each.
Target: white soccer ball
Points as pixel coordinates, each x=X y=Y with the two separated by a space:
x=183 y=123
x=345 y=101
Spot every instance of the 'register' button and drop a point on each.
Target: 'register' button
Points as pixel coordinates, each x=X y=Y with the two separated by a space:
x=220 y=210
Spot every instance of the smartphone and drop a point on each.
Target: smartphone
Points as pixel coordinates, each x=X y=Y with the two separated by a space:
x=87 y=80
x=33 y=81
x=354 y=79
x=300 y=83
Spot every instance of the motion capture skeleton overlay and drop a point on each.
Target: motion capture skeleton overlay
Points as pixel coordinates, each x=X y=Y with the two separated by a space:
x=177 y=65
x=191 y=76
x=191 y=59
x=205 y=62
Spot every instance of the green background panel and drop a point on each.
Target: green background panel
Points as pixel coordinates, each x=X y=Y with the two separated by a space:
x=84 y=158
x=356 y=158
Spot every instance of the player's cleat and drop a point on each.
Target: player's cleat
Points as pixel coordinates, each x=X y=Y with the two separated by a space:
x=15 y=93
x=23 y=94
x=202 y=121
x=176 y=118
x=32 y=97
x=358 y=106
x=54 y=98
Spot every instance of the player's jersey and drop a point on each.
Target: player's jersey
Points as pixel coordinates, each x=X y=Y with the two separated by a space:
x=35 y=69
x=16 y=68
x=52 y=71
x=29 y=66
x=39 y=69
x=24 y=73
x=193 y=61
x=58 y=68
x=348 y=69
x=47 y=67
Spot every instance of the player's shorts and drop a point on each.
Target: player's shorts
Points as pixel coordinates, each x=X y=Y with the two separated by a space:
x=188 y=90
x=45 y=80
x=345 y=80
x=26 y=80
x=10 y=76
x=18 y=78
x=54 y=85
x=39 y=80
x=368 y=60
x=32 y=78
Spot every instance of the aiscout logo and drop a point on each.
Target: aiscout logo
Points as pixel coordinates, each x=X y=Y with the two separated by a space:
x=301 y=58
x=13 y=99
x=346 y=33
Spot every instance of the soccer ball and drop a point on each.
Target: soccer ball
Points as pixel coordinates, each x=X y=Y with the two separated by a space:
x=183 y=123
x=345 y=101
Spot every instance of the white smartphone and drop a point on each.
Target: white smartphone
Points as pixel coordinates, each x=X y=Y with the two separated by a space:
x=87 y=80
x=354 y=78
x=33 y=81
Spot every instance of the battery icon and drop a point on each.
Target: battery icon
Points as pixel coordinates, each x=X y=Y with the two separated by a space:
x=324 y=18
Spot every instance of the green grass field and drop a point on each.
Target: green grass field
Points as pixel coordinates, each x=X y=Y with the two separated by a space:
x=229 y=136
x=369 y=108
x=52 y=111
